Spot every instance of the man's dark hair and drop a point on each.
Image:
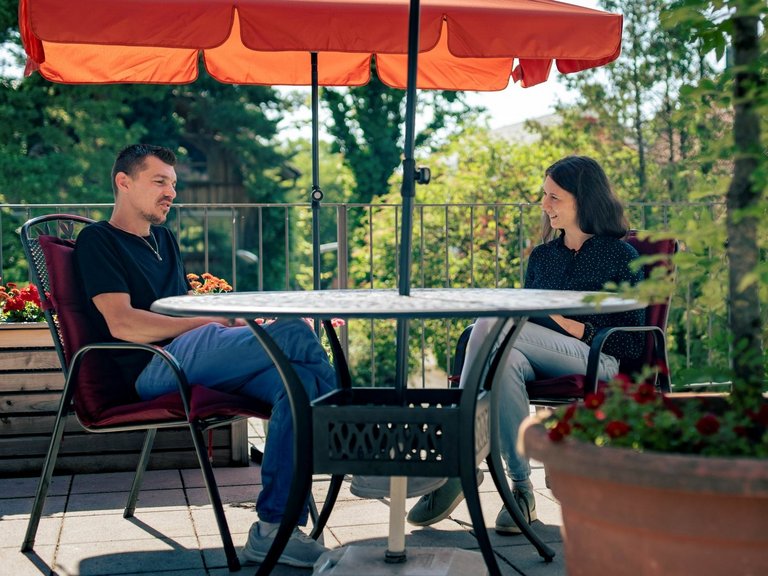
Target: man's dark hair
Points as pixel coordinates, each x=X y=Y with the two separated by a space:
x=598 y=210
x=132 y=159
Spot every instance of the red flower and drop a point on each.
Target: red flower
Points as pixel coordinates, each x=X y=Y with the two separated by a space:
x=560 y=431
x=617 y=428
x=20 y=305
x=708 y=425
x=14 y=304
x=599 y=415
x=29 y=294
x=569 y=412
x=594 y=400
x=644 y=394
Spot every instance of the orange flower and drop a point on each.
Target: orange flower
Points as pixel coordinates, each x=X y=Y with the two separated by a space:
x=210 y=285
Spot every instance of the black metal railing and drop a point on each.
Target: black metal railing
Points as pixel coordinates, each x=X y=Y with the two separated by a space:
x=269 y=247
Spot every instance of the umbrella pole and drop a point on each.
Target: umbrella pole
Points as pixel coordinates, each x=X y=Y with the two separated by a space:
x=317 y=193
x=396 y=542
x=408 y=192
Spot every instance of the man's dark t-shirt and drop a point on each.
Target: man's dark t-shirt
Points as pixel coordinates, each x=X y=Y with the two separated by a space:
x=108 y=259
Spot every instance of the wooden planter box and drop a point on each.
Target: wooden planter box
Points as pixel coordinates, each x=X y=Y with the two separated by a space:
x=31 y=382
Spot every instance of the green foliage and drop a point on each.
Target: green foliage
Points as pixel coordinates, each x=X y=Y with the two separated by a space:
x=367 y=126
x=8 y=14
x=58 y=142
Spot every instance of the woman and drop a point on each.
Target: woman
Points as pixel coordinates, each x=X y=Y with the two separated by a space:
x=583 y=223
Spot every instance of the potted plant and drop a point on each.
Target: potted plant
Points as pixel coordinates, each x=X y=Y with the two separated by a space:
x=653 y=484
x=22 y=322
x=657 y=484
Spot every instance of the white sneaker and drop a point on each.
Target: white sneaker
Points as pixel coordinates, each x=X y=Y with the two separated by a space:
x=378 y=486
x=301 y=550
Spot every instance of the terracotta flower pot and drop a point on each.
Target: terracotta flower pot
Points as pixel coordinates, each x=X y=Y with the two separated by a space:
x=642 y=514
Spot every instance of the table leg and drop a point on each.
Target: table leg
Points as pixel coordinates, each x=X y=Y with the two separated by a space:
x=495 y=465
x=301 y=485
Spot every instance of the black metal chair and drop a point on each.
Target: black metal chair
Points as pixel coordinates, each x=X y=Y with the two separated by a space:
x=102 y=400
x=573 y=387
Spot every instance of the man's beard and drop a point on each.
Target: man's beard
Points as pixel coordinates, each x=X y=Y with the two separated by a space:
x=153 y=218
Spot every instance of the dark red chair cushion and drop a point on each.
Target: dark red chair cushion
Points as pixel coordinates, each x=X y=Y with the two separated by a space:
x=100 y=385
x=571 y=386
x=102 y=397
x=207 y=402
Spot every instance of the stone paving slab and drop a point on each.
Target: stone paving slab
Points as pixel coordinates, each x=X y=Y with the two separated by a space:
x=174 y=533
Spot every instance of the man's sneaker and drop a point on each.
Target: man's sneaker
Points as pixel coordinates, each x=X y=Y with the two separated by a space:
x=301 y=551
x=437 y=505
x=527 y=503
x=378 y=486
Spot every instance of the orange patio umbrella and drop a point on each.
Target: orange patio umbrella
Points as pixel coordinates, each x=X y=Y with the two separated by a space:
x=463 y=44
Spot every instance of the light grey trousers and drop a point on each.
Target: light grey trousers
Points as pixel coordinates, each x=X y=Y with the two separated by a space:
x=537 y=353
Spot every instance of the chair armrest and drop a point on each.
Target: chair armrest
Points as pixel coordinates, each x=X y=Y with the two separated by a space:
x=167 y=357
x=601 y=337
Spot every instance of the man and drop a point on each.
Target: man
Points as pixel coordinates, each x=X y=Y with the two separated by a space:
x=128 y=262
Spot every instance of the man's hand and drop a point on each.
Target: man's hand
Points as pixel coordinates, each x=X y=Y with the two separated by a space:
x=134 y=325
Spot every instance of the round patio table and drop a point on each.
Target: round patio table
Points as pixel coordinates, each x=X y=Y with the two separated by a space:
x=397 y=432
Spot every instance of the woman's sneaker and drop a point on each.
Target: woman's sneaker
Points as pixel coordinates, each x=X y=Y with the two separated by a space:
x=301 y=550
x=525 y=499
x=438 y=505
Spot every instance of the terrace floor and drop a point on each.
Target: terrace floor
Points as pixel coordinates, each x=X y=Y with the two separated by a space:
x=174 y=533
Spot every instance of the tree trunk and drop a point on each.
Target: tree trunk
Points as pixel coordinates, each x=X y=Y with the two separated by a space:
x=743 y=197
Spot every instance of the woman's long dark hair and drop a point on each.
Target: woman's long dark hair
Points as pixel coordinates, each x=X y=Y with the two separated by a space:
x=598 y=210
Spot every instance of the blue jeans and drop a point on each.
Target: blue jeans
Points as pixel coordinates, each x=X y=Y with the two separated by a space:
x=537 y=353
x=232 y=360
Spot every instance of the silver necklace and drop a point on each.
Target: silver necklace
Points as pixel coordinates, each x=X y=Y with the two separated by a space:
x=155 y=248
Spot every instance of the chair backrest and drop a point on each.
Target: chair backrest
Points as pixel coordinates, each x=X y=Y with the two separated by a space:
x=49 y=243
x=657 y=313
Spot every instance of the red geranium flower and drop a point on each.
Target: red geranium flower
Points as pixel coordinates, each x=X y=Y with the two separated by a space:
x=594 y=400
x=569 y=412
x=20 y=305
x=617 y=428
x=560 y=431
x=644 y=394
x=708 y=425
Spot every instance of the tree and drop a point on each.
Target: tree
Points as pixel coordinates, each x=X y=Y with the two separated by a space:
x=367 y=124
x=637 y=98
x=8 y=14
x=746 y=193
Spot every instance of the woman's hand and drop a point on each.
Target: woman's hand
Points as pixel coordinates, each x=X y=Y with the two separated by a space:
x=574 y=328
